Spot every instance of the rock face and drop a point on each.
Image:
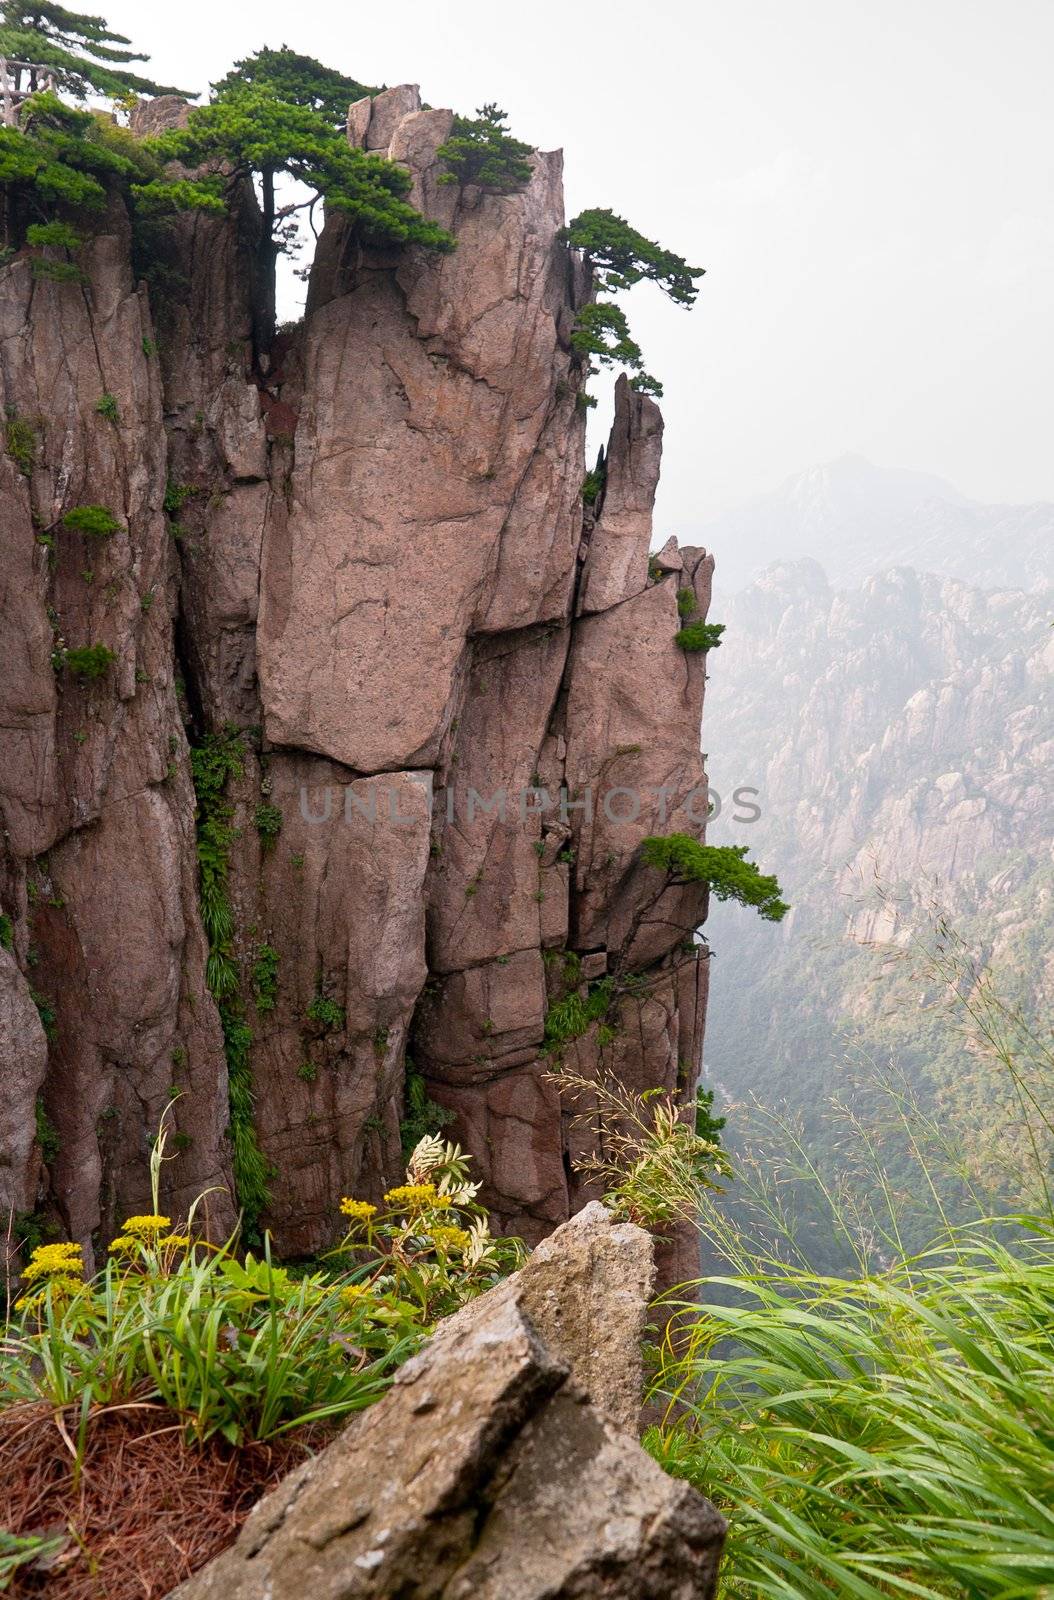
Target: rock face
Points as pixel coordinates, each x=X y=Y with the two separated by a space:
x=361 y=556
x=489 y=1472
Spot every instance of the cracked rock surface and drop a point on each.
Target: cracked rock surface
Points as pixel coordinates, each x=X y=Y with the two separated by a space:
x=365 y=554
x=490 y=1471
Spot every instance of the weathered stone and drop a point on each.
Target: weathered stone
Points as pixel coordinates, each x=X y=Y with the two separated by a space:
x=164 y=111
x=617 y=564
x=340 y=900
x=669 y=558
x=488 y=1471
x=386 y=548
x=24 y=1059
x=586 y=1289
x=484 y=887
x=637 y=760
x=359 y=121
x=376 y=578
x=387 y=111
x=98 y=859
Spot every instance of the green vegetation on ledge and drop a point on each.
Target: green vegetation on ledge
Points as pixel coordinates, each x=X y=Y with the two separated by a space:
x=723 y=868
x=218 y=758
x=698 y=636
x=621 y=257
x=482 y=151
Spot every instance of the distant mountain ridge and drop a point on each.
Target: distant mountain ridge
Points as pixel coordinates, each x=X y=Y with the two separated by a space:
x=899 y=730
x=856 y=519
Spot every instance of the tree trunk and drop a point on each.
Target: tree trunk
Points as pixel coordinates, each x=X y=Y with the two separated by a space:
x=264 y=264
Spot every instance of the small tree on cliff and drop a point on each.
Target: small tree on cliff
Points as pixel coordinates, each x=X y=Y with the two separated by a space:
x=723 y=868
x=481 y=150
x=80 y=52
x=282 y=124
x=621 y=257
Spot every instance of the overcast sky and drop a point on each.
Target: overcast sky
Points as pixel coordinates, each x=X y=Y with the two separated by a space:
x=867 y=182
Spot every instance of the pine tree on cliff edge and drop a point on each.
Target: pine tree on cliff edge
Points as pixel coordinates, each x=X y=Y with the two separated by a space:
x=80 y=52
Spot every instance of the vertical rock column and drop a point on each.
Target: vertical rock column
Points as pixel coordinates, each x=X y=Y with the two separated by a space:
x=97 y=875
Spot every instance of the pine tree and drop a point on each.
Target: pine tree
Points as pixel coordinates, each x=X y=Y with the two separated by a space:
x=251 y=132
x=621 y=257
x=299 y=80
x=81 y=53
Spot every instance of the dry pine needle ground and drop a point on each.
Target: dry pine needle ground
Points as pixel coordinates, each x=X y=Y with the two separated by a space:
x=148 y=1510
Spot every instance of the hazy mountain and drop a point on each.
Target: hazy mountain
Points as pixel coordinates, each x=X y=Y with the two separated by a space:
x=902 y=728
x=856 y=519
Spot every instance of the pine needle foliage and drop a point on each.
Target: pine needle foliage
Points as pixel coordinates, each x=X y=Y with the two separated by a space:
x=82 y=52
x=699 y=636
x=297 y=79
x=61 y=159
x=723 y=868
x=620 y=257
x=482 y=151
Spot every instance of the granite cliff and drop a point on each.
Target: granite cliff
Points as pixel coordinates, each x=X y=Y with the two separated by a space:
x=357 y=576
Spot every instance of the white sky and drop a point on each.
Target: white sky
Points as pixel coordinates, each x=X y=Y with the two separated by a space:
x=867 y=182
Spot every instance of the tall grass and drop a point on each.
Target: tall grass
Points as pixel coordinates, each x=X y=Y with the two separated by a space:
x=889 y=1432
x=890 y=1435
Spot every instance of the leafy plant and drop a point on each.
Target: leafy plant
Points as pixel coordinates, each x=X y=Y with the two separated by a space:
x=57 y=234
x=88 y=661
x=428 y=1249
x=235 y=1346
x=422 y=1118
x=272 y=125
x=16 y=1552
x=60 y=159
x=268 y=821
x=621 y=257
x=214 y=762
x=106 y=406
x=21 y=442
x=651 y=1162
x=723 y=868
x=176 y=496
x=265 y=977
x=572 y=1016
x=884 y=1435
x=699 y=636
x=593 y=484
x=481 y=150
x=98 y=522
x=47 y=1137
x=601 y=330
x=300 y=80
x=7 y=931
x=325 y=1012
x=686 y=602
x=707 y=1125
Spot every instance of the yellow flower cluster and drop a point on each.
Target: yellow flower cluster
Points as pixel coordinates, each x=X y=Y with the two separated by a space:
x=54 y=1260
x=358 y=1210
x=353 y=1292
x=416 y=1197
x=60 y=1266
x=145 y=1226
x=451 y=1238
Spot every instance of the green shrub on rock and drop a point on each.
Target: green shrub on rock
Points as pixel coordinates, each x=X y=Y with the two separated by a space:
x=98 y=522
